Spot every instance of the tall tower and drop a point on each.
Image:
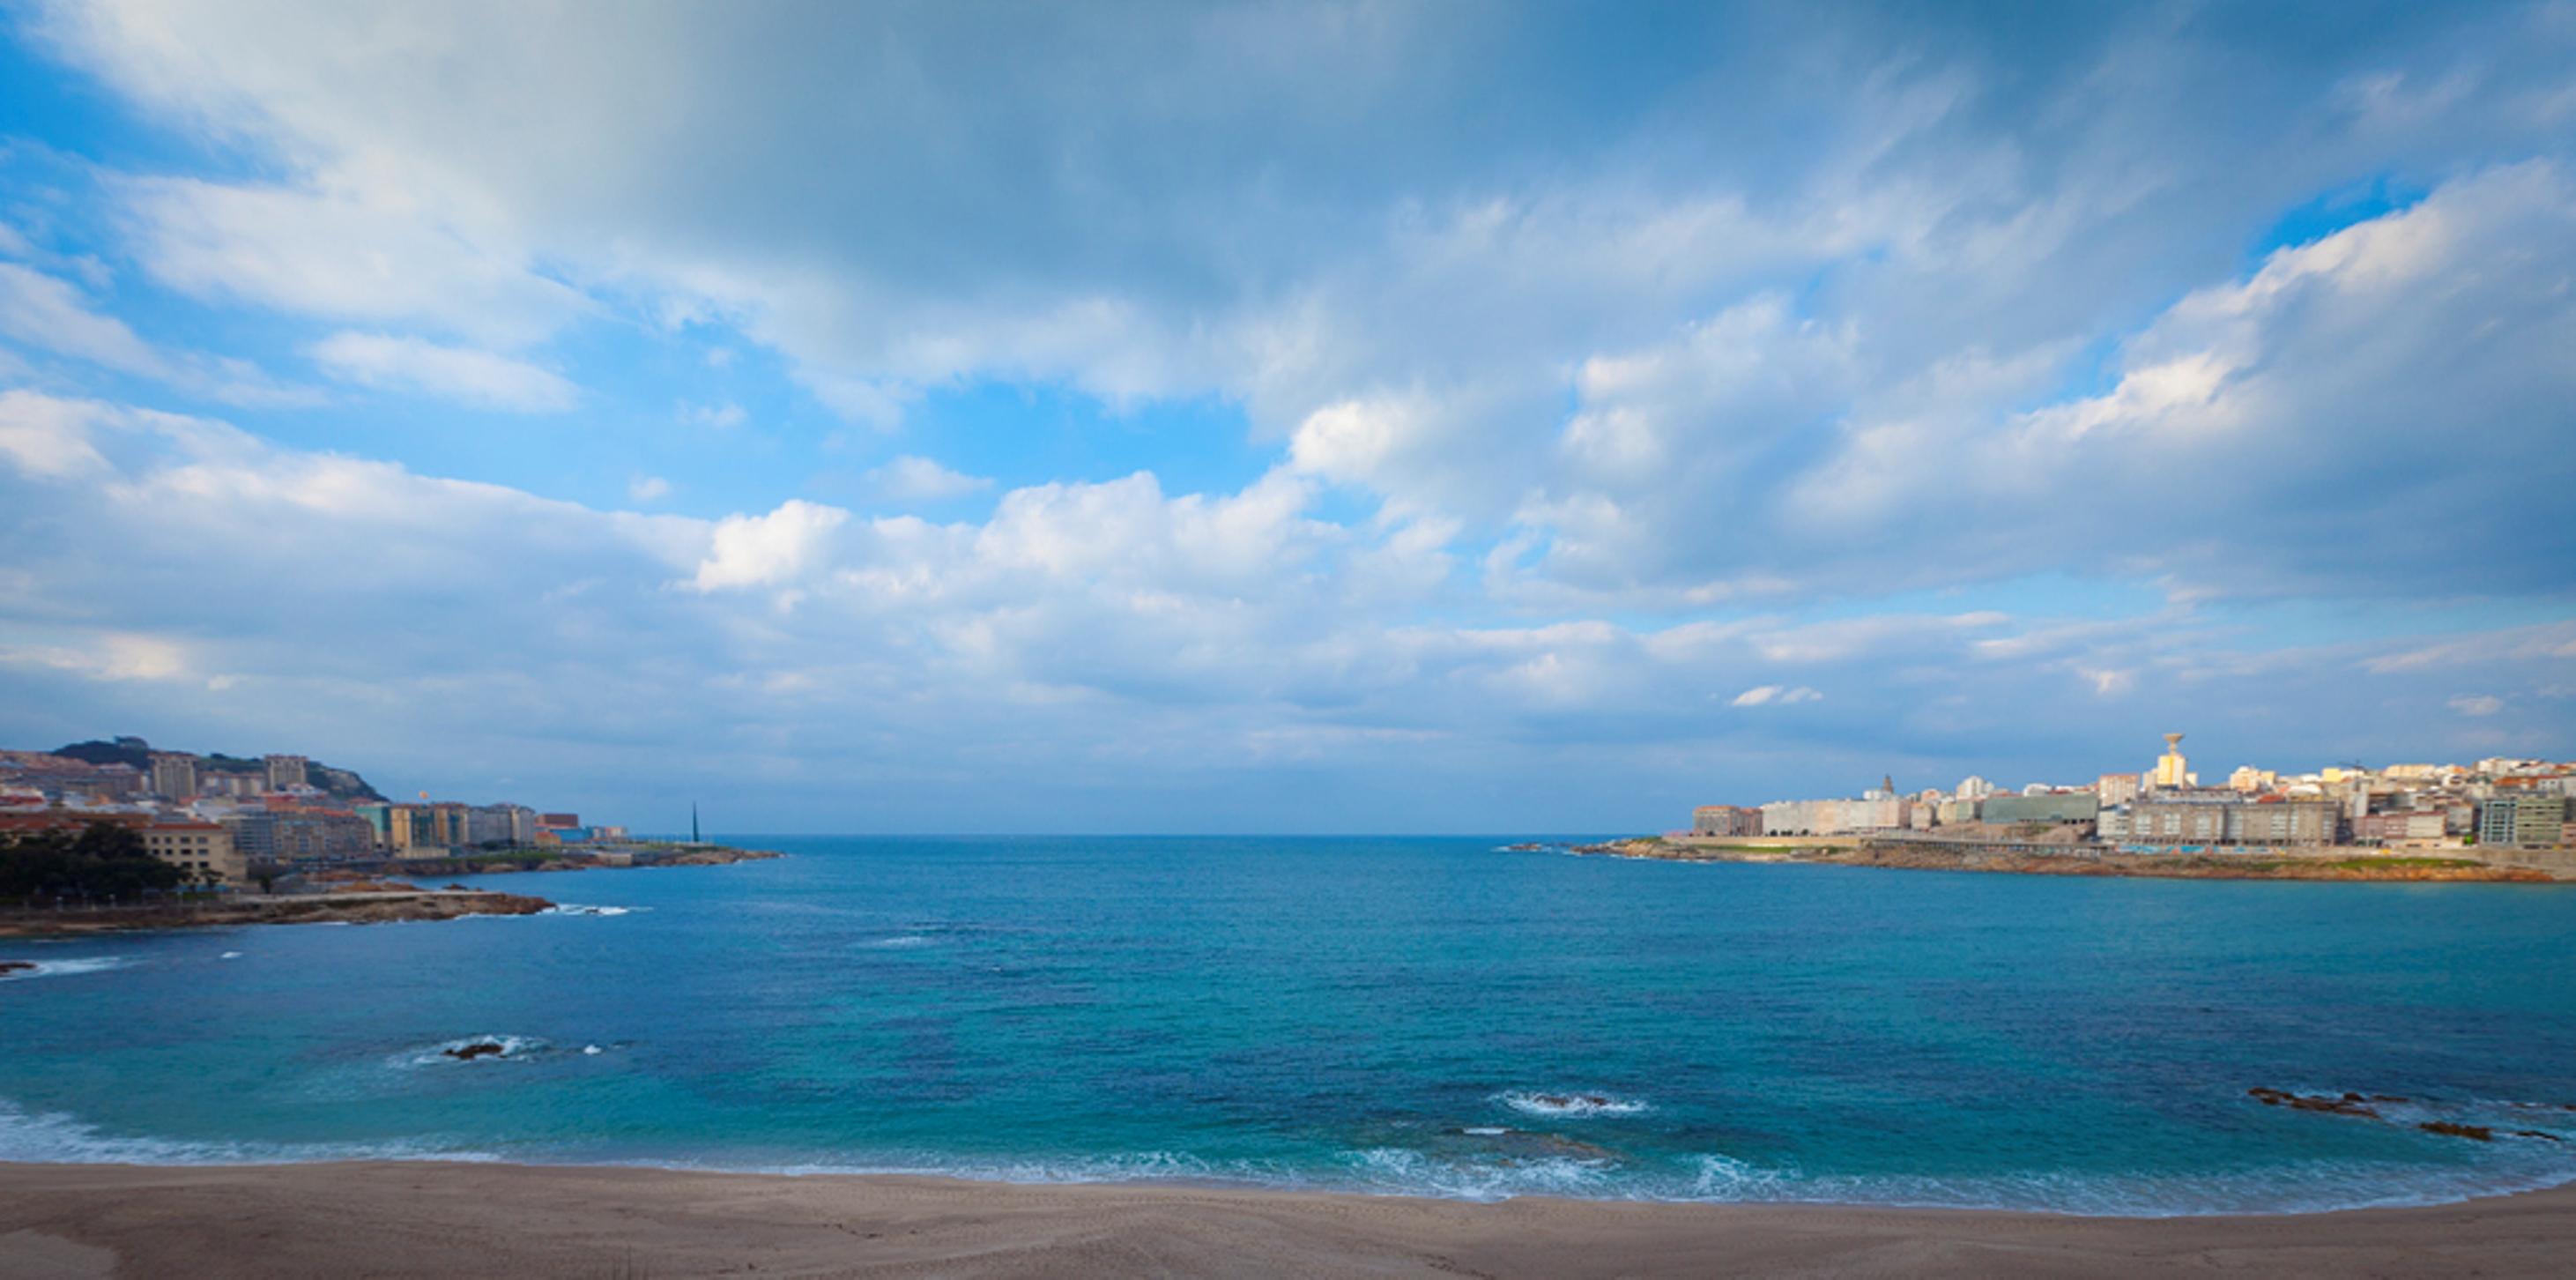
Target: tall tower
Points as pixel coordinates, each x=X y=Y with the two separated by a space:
x=693 y=823
x=2172 y=773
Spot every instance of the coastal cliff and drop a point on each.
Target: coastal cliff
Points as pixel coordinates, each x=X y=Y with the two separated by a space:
x=2334 y=864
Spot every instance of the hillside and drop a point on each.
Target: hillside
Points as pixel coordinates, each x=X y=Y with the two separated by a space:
x=345 y=784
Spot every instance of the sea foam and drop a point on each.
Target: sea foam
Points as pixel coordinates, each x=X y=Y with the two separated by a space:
x=1571 y=1104
x=66 y=968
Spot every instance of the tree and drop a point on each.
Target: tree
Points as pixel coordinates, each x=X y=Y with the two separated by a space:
x=105 y=860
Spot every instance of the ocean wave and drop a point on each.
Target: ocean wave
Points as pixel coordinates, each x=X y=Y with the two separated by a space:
x=230 y=955
x=1401 y=1171
x=66 y=968
x=584 y=909
x=2306 y=1187
x=53 y=1137
x=1572 y=1104
x=1114 y=1167
x=2280 y=1189
x=901 y=940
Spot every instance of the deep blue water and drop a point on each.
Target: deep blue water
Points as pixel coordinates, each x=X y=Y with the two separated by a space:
x=1357 y=1014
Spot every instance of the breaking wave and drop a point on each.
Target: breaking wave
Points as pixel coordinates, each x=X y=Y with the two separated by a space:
x=66 y=968
x=51 y=1137
x=1572 y=1104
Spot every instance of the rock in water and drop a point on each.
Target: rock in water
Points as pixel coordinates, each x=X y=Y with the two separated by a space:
x=2350 y=1104
x=478 y=1049
x=2473 y=1132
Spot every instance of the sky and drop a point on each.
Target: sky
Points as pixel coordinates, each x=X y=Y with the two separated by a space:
x=1310 y=417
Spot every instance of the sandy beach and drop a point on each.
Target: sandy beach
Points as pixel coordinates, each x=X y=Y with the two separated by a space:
x=422 y=1219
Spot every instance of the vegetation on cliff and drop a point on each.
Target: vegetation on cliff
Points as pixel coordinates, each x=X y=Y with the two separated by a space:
x=344 y=783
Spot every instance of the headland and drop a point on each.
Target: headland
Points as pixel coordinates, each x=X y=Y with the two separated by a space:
x=1900 y=853
x=359 y=902
x=431 y=1219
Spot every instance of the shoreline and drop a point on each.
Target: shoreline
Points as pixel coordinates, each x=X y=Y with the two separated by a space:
x=388 y=907
x=351 y=896
x=2333 y=865
x=441 y=1218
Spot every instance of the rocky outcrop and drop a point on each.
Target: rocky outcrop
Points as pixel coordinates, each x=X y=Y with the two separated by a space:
x=2366 y=1107
x=479 y=1049
x=16 y=966
x=710 y=856
x=339 y=907
x=2473 y=1132
x=2350 y=1104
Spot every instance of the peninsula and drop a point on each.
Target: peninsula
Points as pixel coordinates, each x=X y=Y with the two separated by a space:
x=227 y=825
x=369 y=902
x=2499 y=819
x=2074 y=860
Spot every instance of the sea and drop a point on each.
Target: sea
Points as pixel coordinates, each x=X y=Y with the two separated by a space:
x=1420 y=1016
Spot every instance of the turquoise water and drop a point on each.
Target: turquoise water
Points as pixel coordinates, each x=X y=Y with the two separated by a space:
x=1379 y=1015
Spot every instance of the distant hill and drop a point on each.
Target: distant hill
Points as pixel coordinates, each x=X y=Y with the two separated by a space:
x=343 y=783
x=124 y=751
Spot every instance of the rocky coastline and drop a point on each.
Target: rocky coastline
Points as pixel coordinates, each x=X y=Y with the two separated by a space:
x=371 y=903
x=2077 y=860
x=646 y=856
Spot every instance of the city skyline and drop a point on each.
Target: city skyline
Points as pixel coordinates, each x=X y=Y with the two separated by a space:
x=1300 y=419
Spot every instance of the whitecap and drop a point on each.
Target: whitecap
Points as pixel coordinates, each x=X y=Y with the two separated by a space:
x=903 y=940
x=1400 y=1171
x=1723 y=1177
x=230 y=955
x=591 y=1050
x=66 y=968
x=584 y=909
x=54 y=1137
x=1572 y=1104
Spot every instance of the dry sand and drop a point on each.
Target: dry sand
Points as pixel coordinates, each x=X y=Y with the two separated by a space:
x=423 y=1219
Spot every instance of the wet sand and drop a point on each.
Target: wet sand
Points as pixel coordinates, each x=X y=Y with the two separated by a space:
x=424 y=1219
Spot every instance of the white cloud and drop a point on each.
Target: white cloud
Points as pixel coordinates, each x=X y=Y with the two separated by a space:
x=910 y=478
x=648 y=489
x=355 y=250
x=106 y=655
x=722 y=416
x=477 y=378
x=767 y=550
x=2479 y=704
x=47 y=438
x=50 y=315
x=1766 y=694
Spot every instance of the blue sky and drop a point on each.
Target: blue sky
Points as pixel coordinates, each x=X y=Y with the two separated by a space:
x=1314 y=417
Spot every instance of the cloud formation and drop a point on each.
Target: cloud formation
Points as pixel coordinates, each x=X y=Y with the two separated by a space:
x=462 y=374
x=1355 y=412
